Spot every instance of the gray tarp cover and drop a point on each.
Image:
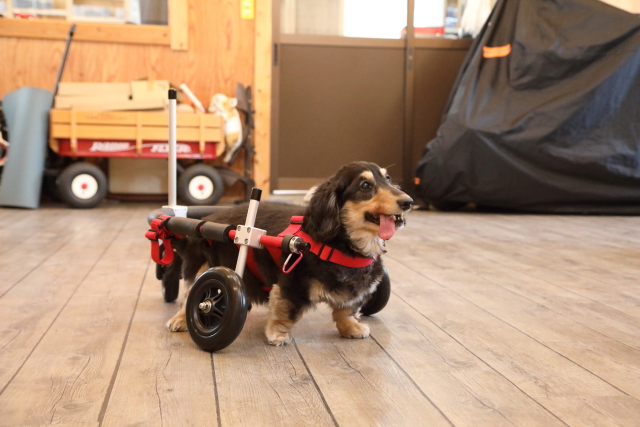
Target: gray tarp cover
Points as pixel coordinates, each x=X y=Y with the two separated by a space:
x=27 y=114
x=554 y=125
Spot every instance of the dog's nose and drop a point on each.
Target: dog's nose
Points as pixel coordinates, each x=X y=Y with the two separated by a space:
x=405 y=204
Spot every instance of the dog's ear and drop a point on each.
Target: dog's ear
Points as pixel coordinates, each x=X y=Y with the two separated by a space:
x=322 y=220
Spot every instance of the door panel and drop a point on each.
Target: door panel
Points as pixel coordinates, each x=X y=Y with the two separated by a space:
x=338 y=104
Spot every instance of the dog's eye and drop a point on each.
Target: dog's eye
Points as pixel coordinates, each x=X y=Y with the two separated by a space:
x=365 y=186
x=388 y=178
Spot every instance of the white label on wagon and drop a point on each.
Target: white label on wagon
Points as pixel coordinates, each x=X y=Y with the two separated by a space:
x=164 y=148
x=109 y=147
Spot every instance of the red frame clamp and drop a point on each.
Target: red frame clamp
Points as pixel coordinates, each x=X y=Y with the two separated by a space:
x=159 y=232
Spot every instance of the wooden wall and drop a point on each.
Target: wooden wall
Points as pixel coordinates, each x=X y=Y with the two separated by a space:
x=221 y=53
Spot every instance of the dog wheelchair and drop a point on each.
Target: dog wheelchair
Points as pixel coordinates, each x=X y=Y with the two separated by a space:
x=217 y=305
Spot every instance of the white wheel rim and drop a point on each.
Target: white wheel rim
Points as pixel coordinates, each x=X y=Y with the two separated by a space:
x=200 y=187
x=84 y=186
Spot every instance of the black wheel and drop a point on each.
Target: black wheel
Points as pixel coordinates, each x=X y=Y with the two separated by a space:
x=82 y=185
x=170 y=276
x=380 y=297
x=170 y=284
x=200 y=184
x=216 y=308
x=160 y=268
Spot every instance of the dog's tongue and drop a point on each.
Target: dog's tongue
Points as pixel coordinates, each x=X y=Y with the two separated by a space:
x=387 y=227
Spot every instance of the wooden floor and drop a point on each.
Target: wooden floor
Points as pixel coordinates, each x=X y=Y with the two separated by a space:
x=494 y=320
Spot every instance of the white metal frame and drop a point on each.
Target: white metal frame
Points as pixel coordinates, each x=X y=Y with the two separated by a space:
x=251 y=233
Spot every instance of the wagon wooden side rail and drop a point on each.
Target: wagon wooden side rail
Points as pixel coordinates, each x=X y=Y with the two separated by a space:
x=134 y=134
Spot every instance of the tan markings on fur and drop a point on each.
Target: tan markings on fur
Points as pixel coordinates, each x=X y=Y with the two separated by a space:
x=317 y=293
x=178 y=323
x=385 y=202
x=347 y=324
x=278 y=321
x=362 y=233
x=383 y=171
x=368 y=175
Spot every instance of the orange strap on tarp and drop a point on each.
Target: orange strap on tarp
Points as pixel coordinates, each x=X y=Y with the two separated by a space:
x=496 y=52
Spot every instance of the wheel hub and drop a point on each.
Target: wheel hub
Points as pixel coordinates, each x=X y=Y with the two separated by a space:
x=206 y=306
x=212 y=307
x=84 y=186
x=201 y=187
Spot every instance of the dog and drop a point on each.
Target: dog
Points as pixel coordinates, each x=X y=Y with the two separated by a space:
x=354 y=212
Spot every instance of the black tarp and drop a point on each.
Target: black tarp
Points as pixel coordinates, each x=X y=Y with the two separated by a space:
x=553 y=126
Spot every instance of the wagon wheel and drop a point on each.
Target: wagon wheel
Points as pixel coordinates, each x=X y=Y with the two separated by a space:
x=82 y=185
x=216 y=308
x=200 y=184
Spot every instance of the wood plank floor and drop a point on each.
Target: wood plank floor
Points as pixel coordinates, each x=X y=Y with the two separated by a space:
x=494 y=320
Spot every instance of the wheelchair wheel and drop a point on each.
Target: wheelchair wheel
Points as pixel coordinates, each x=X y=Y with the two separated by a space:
x=379 y=298
x=216 y=308
x=170 y=284
x=169 y=275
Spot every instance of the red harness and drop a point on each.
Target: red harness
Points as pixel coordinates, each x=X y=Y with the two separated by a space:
x=324 y=252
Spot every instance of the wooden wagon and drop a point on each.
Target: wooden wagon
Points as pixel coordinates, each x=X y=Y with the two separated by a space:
x=76 y=135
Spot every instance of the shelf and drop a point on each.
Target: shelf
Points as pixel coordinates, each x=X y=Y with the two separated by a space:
x=107 y=29
x=101 y=19
x=41 y=12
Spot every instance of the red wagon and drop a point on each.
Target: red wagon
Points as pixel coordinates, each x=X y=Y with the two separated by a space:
x=80 y=135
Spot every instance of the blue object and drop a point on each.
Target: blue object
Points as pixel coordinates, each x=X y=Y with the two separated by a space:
x=26 y=111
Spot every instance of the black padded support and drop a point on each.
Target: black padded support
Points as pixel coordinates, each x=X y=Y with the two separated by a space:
x=210 y=230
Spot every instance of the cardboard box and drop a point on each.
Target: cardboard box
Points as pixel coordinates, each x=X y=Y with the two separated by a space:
x=149 y=89
x=88 y=89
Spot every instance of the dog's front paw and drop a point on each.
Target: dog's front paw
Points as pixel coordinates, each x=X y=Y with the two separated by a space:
x=177 y=323
x=354 y=330
x=277 y=338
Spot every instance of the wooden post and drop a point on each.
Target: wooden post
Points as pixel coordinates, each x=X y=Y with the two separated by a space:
x=262 y=95
x=179 y=24
x=138 y=134
x=201 y=122
x=74 y=139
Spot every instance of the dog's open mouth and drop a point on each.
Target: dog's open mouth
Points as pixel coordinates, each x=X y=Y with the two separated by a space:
x=387 y=223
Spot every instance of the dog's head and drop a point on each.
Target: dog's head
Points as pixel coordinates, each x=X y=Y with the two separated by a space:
x=360 y=202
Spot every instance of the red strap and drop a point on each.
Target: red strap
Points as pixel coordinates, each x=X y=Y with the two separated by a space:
x=157 y=233
x=325 y=253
